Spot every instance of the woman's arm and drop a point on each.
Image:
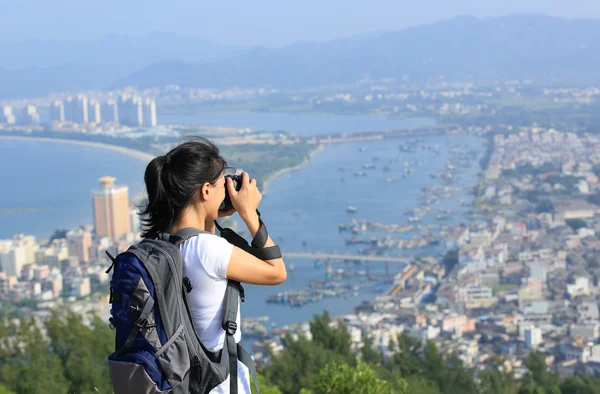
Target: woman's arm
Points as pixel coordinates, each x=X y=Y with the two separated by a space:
x=244 y=267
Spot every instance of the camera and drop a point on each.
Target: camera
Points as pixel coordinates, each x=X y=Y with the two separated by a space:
x=236 y=178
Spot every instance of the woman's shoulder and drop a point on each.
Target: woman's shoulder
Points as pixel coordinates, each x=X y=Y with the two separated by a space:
x=212 y=251
x=206 y=240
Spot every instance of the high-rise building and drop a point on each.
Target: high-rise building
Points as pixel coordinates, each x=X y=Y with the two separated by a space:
x=57 y=111
x=110 y=111
x=12 y=260
x=149 y=112
x=94 y=112
x=533 y=337
x=130 y=111
x=111 y=209
x=29 y=243
x=79 y=244
x=6 y=115
x=76 y=109
x=29 y=115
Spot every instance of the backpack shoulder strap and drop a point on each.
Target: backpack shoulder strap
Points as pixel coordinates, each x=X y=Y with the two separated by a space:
x=230 y=312
x=182 y=235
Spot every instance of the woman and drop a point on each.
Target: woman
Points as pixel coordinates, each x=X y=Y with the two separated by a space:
x=186 y=188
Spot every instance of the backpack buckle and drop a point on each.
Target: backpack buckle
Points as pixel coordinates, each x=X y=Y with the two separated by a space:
x=187 y=282
x=242 y=293
x=230 y=327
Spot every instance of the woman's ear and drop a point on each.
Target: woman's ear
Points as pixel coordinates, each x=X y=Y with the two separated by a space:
x=203 y=192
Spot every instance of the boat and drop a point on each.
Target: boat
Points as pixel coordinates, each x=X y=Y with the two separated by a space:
x=362 y=149
x=414 y=219
x=359 y=173
x=368 y=166
x=351 y=209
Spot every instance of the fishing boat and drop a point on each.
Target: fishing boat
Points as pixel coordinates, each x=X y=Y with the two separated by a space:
x=351 y=209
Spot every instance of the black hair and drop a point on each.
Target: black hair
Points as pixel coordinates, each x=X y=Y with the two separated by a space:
x=171 y=181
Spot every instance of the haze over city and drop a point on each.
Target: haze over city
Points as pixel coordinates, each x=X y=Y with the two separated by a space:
x=430 y=174
x=254 y=23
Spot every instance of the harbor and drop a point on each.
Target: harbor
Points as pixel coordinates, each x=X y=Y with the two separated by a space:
x=360 y=224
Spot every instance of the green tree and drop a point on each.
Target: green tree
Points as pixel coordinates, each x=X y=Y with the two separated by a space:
x=368 y=353
x=580 y=385
x=338 y=378
x=335 y=339
x=264 y=387
x=406 y=360
x=82 y=350
x=495 y=381
x=33 y=368
x=457 y=378
x=296 y=367
x=420 y=385
x=538 y=378
x=433 y=365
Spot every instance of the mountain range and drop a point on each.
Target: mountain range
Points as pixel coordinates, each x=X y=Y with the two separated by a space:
x=514 y=46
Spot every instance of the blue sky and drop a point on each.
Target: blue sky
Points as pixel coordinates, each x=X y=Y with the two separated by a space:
x=254 y=22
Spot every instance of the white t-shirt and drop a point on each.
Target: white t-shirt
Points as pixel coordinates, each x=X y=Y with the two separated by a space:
x=205 y=260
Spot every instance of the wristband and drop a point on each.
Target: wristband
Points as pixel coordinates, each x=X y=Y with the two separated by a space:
x=261 y=237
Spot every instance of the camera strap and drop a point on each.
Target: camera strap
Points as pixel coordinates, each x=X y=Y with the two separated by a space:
x=256 y=248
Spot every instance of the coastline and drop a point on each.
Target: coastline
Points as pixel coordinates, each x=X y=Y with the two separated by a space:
x=147 y=157
x=138 y=154
x=277 y=174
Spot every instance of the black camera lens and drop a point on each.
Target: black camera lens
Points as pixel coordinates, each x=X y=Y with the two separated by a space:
x=231 y=173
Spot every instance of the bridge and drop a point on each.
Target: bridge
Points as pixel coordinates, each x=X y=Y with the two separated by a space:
x=360 y=257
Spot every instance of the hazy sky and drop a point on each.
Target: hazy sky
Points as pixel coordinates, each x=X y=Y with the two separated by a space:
x=253 y=22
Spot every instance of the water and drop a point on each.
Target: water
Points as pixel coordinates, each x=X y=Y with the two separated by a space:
x=318 y=192
x=61 y=176
x=56 y=181
x=300 y=124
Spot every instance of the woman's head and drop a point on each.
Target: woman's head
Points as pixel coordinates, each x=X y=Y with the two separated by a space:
x=187 y=180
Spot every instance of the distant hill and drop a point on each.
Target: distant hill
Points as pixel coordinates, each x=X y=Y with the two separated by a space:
x=37 y=67
x=515 y=46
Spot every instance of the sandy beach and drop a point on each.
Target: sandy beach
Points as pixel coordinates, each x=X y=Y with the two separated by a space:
x=147 y=156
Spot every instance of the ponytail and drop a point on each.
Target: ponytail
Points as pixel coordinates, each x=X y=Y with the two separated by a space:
x=159 y=212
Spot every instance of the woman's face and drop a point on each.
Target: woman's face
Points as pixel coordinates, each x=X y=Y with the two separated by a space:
x=215 y=194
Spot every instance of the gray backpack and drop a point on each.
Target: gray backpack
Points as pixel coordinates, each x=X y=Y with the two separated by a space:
x=156 y=346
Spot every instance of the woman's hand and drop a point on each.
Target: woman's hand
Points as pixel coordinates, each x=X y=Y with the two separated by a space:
x=246 y=200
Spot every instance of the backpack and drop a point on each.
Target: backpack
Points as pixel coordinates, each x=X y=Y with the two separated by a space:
x=157 y=349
